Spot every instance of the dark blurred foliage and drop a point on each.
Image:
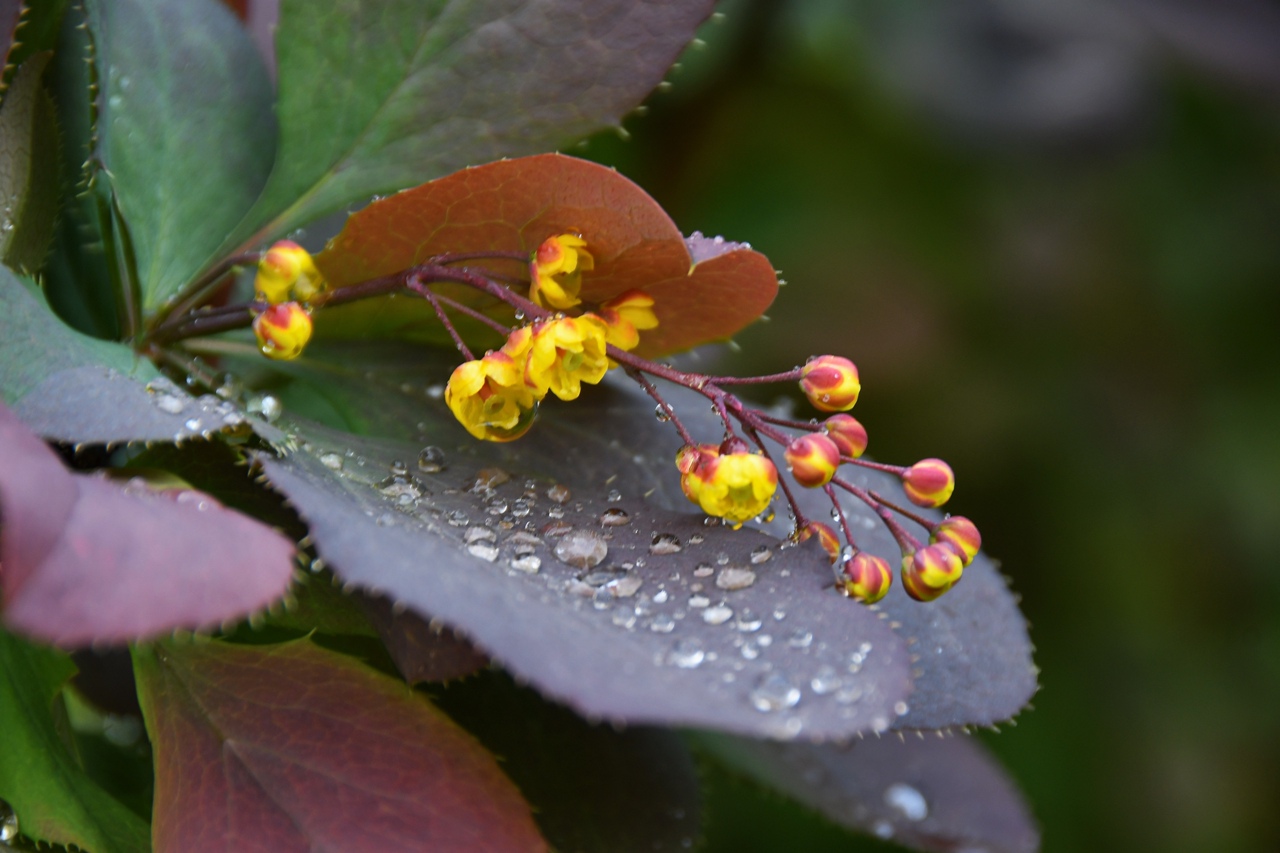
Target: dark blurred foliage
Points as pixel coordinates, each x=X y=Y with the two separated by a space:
x=1049 y=234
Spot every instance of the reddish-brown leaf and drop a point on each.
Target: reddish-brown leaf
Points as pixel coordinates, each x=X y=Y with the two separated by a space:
x=294 y=748
x=88 y=560
x=513 y=205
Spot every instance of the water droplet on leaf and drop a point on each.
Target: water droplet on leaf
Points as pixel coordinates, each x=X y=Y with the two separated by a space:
x=665 y=543
x=717 y=615
x=774 y=693
x=735 y=577
x=687 y=654
x=484 y=550
x=529 y=563
x=614 y=517
x=331 y=460
x=582 y=549
x=431 y=460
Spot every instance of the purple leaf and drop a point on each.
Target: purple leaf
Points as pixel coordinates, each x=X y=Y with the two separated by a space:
x=88 y=560
x=935 y=794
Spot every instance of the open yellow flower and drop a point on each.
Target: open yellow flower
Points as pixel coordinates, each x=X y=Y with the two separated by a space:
x=564 y=353
x=556 y=271
x=737 y=486
x=626 y=316
x=488 y=397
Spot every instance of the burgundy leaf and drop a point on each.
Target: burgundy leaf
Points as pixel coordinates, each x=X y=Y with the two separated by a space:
x=293 y=748
x=422 y=651
x=88 y=560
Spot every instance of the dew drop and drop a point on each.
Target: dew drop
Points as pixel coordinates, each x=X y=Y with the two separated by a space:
x=399 y=469
x=268 y=406
x=687 y=654
x=600 y=577
x=750 y=651
x=660 y=412
x=717 y=615
x=901 y=708
x=456 y=518
x=735 y=577
x=8 y=824
x=332 y=461
x=748 y=622
x=431 y=460
x=849 y=695
x=478 y=534
x=699 y=601
x=385 y=520
x=529 y=563
x=559 y=494
x=624 y=616
x=665 y=543
x=484 y=550
x=696 y=539
x=703 y=570
x=401 y=489
x=488 y=478
x=614 y=517
x=170 y=404
x=774 y=693
x=761 y=555
x=824 y=680
x=614 y=496
x=582 y=549
x=800 y=639
x=662 y=624
x=194 y=424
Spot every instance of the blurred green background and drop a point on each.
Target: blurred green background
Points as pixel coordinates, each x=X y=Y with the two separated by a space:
x=1049 y=235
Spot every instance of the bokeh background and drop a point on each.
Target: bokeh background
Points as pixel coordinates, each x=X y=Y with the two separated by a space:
x=1048 y=232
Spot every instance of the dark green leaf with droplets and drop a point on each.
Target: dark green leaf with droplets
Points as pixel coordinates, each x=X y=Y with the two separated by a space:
x=546 y=627
x=430 y=88
x=187 y=130
x=29 y=166
x=594 y=788
x=54 y=799
x=73 y=388
x=932 y=794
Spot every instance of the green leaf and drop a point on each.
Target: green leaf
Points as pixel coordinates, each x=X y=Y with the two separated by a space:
x=187 y=130
x=377 y=95
x=26 y=28
x=290 y=747
x=54 y=799
x=29 y=166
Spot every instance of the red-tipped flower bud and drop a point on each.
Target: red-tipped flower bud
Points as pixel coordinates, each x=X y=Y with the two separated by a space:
x=848 y=434
x=866 y=578
x=691 y=462
x=961 y=534
x=929 y=482
x=831 y=383
x=826 y=538
x=813 y=459
x=283 y=330
x=931 y=571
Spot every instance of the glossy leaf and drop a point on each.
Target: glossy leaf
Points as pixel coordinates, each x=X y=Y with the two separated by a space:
x=931 y=794
x=26 y=28
x=431 y=89
x=187 y=130
x=646 y=635
x=88 y=560
x=70 y=387
x=594 y=788
x=513 y=205
x=293 y=748
x=55 y=801
x=29 y=166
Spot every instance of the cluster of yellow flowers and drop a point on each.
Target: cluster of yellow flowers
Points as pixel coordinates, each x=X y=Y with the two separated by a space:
x=496 y=397
x=287 y=279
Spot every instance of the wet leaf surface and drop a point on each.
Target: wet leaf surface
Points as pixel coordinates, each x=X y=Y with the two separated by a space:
x=90 y=560
x=594 y=789
x=934 y=794
x=429 y=90
x=54 y=799
x=513 y=205
x=291 y=747
x=378 y=534
x=186 y=131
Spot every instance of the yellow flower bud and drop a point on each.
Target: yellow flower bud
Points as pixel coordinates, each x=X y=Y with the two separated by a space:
x=929 y=483
x=866 y=577
x=961 y=534
x=848 y=434
x=831 y=383
x=287 y=272
x=813 y=459
x=283 y=330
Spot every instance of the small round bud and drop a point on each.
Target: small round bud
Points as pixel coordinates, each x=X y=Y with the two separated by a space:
x=929 y=482
x=691 y=462
x=931 y=571
x=831 y=383
x=286 y=271
x=961 y=534
x=283 y=330
x=866 y=578
x=915 y=587
x=812 y=459
x=848 y=434
x=826 y=538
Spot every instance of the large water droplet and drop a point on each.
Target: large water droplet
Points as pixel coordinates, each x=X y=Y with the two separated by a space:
x=170 y=404
x=735 y=577
x=403 y=490
x=559 y=494
x=614 y=516
x=663 y=623
x=703 y=570
x=825 y=680
x=479 y=534
x=761 y=555
x=774 y=693
x=431 y=460
x=266 y=405
x=699 y=601
x=484 y=550
x=456 y=518
x=8 y=823
x=800 y=639
x=529 y=563
x=624 y=616
x=665 y=543
x=489 y=478
x=907 y=800
x=748 y=622
x=687 y=654
x=331 y=460
x=717 y=615
x=582 y=549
